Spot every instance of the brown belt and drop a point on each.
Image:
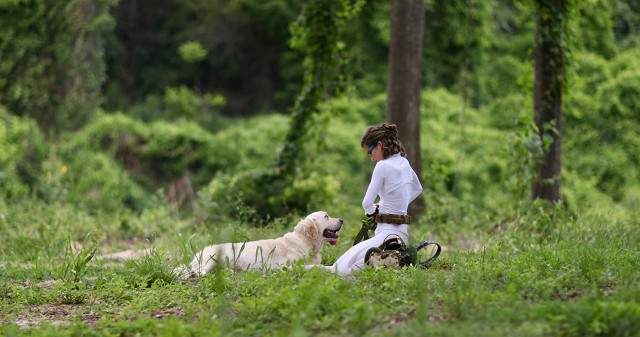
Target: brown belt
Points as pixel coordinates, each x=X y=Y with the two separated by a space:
x=393 y=218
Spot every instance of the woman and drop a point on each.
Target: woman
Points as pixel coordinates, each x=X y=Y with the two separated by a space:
x=397 y=185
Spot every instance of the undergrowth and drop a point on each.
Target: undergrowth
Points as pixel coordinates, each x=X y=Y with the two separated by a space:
x=539 y=274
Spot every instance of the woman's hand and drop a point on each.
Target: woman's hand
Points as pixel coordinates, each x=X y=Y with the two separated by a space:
x=374 y=213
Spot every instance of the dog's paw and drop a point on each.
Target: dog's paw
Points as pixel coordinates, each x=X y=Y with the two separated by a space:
x=182 y=273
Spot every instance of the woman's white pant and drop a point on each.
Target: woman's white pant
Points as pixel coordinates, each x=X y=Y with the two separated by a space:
x=353 y=259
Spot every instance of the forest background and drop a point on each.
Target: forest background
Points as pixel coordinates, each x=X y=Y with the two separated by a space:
x=137 y=121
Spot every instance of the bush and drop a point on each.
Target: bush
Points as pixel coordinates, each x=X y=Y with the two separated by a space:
x=97 y=182
x=23 y=150
x=181 y=103
x=152 y=155
x=502 y=77
x=465 y=155
x=248 y=186
x=258 y=197
x=249 y=144
x=601 y=138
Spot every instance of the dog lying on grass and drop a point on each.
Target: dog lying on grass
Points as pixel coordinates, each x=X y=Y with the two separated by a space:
x=307 y=236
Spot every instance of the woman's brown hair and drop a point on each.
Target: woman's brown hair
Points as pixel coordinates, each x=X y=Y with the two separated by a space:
x=385 y=133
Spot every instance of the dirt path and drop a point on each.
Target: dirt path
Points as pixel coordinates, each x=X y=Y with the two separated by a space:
x=125 y=254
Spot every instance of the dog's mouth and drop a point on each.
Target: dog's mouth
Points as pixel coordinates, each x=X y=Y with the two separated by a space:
x=331 y=235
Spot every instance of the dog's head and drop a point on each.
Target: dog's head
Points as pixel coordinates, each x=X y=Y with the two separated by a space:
x=319 y=227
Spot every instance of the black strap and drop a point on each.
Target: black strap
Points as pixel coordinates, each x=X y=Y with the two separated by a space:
x=363 y=234
x=427 y=262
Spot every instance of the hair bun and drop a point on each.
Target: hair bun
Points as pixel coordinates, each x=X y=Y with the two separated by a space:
x=390 y=129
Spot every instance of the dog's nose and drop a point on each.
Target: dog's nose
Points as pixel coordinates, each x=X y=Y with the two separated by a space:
x=341 y=221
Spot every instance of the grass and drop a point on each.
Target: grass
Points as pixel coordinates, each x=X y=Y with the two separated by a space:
x=542 y=273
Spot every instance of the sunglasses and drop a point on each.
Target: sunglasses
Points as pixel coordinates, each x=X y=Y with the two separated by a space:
x=371 y=148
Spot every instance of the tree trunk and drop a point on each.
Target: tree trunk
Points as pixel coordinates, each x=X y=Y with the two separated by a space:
x=405 y=74
x=547 y=99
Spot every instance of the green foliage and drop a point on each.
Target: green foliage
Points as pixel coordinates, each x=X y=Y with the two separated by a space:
x=248 y=60
x=243 y=187
x=594 y=317
x=316 y=33
x=465 y=155
x=594 y=27
x=149 y=270
x=23 y=150
x=98 y=182
x=553 y=44
x=183 y=103
x=504 y=77
x=626 y=26
x=257 y=198
x=150 y=154
x=367 y=39
x=71 y=294
x=590 y=71
x=74 y=268
x=113 y=162
x=250 y=145
x=619 y=96
x=53 y=65
x=87 y=178
x=509 y=267
x=179 y=103
x=599 y=116
x=305 y=310
x=192 y=52
x=513 y=23
x=455 y=39
x=549 y=272
x=277 y=191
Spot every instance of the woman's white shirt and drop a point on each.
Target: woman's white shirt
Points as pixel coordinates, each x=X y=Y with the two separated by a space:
x=395 y=182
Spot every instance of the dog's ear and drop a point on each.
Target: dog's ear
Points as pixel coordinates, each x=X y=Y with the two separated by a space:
x=308 y=227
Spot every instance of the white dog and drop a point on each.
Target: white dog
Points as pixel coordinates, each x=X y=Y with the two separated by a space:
x=307 y=236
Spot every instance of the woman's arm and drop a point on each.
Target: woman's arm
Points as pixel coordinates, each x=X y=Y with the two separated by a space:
x=416 y=187
x=377 y=178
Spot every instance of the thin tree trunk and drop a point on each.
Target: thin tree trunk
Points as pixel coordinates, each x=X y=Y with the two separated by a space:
x=547 y=103
x=404 y=83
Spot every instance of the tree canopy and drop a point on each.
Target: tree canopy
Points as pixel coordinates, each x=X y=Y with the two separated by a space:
x=134 y=96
